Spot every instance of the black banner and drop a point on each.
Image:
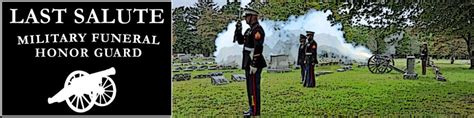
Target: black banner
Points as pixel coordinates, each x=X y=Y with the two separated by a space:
x=75 y=49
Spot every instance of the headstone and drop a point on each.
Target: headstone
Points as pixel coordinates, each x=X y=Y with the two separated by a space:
x=185 y=58
x=216 y=74
x=279 y=63
x=182 y=76
x=410 y=72
x=340 y=70
x=227 y=71
x=347 y=67
x=438 y=75
x=236 y=77
x=201 y=68
x=219 y=80
x=202 y=76
x=190 y=68
x=212 y=68
x=319 y=73
x=361 y=65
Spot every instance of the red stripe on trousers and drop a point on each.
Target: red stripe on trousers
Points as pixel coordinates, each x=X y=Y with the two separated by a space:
x=254 y=95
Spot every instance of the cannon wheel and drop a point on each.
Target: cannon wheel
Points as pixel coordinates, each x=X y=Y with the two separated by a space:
x=374 y=64
x=79 y=103
x=380 y=64
x=107 y=95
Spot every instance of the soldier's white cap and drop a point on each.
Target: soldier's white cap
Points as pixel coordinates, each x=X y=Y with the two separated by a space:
x=310 y=32
x=248 y=11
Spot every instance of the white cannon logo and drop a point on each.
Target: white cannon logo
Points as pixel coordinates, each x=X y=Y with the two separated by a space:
x=82 y=90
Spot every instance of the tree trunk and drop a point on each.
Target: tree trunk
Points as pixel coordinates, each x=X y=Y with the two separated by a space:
x=469 y=42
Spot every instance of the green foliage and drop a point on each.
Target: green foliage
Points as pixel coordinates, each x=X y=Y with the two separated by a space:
x=184 y=37
x=195 y=28
x=383 y=19
x=447 y=18
x=279 y=10
x=449 y=46
x=357 y=35
x=451 y=20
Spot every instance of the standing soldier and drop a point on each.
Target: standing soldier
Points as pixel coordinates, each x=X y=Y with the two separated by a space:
x=310 y=60
x=253 y=60
x=301 y=55
x=424 y=57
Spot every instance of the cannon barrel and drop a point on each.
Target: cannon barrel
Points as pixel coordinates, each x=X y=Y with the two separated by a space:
x=110 y=71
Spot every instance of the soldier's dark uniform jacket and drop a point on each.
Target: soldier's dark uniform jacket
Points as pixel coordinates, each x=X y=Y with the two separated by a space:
x=301 y=52
x=252 y=39
x=311 y=52
x=424 y=53
x=301 y=55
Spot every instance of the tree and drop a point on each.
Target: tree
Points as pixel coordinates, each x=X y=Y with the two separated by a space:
x=182 y=34
x=279 y=10
x=195 y=28
x=378 y=18
x=452 y=18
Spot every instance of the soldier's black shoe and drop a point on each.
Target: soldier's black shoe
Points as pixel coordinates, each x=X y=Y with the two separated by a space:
x=247 y=113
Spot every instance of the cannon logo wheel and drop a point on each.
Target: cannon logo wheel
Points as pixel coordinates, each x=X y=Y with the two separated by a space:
x=107 y=93
x=79 y=102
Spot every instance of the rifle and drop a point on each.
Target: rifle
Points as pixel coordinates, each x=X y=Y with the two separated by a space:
x=239 y=19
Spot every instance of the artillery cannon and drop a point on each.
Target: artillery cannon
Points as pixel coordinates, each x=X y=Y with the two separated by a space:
x=82 y=90
x=380 y=64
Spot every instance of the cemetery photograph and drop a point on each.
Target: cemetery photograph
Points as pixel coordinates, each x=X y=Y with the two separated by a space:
x=331 y=58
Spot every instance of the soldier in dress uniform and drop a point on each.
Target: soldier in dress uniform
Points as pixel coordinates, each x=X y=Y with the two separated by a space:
x=424 y=57
x=253 y=60
x=301 y=55
x=310 y=60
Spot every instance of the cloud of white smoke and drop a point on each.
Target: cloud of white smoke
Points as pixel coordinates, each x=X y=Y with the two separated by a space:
x=282 y=37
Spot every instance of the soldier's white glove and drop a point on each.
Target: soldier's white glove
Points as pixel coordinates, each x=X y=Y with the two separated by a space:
x=251 y=55
x=253 y=70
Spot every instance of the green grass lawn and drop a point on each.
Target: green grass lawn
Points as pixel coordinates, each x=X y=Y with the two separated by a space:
x=356 y=92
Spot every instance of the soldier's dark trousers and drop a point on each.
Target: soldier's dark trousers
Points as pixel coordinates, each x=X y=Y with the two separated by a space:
x=310 y=80
x=302 y=72
x=253 y=90
x=423 y=67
